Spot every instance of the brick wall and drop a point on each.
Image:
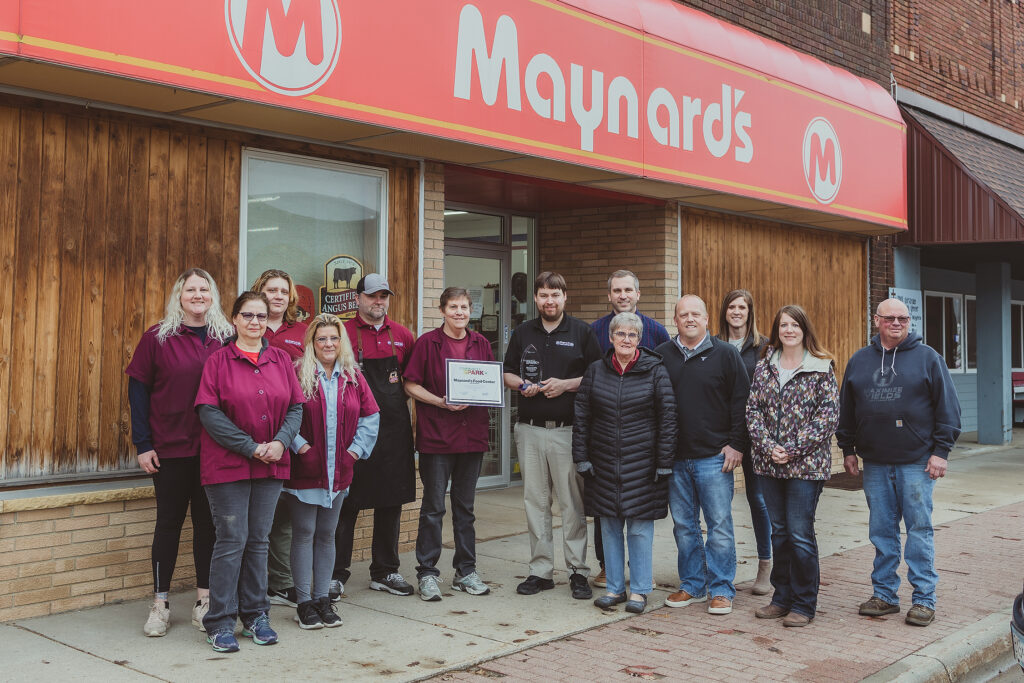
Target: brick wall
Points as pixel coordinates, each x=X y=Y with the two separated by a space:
x=587 y=245
x=831 y=30
x=68 y=552
x=964 y=53
x=433 y=244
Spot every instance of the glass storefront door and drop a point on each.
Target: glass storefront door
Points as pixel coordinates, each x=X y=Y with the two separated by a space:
x=481 y=274
x=491 y=255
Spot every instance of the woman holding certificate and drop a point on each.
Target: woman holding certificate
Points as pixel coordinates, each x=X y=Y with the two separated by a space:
x=451 y=440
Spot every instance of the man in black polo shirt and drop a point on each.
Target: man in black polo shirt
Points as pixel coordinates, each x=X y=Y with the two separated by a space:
x=558 y=348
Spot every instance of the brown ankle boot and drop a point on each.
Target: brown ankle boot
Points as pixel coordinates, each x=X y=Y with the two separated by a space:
x=763 y=584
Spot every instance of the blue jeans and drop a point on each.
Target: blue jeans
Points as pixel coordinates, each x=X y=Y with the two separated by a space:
x=904 y=492
x=640 y=541
x=436 y=470
x=701 y=486
x=758 y=510
x=795 y=575
x=243 y=512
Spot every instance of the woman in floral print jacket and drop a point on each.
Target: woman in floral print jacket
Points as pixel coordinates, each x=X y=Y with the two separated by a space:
x=792 y=414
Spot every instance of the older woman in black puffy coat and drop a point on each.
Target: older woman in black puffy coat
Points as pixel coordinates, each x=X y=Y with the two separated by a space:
x=623 y=443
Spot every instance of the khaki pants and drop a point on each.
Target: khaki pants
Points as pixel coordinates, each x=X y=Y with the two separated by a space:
x=545 y=459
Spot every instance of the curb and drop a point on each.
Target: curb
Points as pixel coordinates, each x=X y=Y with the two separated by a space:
x=955 y=657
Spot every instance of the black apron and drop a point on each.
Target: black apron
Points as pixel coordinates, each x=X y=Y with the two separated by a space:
x=388 y=477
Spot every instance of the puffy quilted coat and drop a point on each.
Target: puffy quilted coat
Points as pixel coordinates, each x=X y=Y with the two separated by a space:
x=625 y=426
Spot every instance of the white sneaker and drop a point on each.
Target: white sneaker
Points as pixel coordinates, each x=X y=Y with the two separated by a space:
x=158 y=622
x=429 y=590
x=199 y=611
x=470 y=583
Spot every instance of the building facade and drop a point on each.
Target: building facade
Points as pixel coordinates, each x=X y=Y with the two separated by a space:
x=471 y=143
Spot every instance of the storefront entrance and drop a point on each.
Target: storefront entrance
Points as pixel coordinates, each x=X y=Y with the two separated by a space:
x=491 y=255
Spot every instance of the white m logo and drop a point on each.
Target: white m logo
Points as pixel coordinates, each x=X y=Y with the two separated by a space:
x=823 y=160
x=290 y=46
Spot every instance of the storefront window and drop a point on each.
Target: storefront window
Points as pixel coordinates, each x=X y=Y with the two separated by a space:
x=942 y=325
x=970 y=323
x=1017 y=334
x=320 y=221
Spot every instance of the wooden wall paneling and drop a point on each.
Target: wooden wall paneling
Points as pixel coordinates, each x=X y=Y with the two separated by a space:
x=227 y=274
x=114 y=417
x=10 y=126
x=177 y=214
x=48 y=329
x=403 y=242
x=135 y=322
x=93 y=325
x=821 y=271
x=196 y=218
x=72 y=238
x=23 y=339
x=159 y=199
x=211 y=228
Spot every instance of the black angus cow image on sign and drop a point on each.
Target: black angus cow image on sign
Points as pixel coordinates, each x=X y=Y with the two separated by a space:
x=345 y=275
x=338 y=293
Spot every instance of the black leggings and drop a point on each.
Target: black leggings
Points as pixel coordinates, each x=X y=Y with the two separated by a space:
x=177 y=484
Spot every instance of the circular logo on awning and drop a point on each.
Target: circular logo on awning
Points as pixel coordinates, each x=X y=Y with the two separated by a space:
x=290 y=48
x=823 y=160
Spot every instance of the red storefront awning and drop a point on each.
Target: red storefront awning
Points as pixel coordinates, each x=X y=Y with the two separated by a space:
x=651 y=96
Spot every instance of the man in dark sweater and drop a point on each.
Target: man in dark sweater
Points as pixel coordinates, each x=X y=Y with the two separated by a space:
x=902 y=422
x=711 y=388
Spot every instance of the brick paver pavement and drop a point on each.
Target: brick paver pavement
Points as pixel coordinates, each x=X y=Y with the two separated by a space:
x=979 y=563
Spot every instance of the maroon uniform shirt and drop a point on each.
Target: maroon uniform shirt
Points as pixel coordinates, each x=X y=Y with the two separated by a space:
x=439 y=430
x=377 y=343
x=256 y=398
x=172 y=371
x=288 y=337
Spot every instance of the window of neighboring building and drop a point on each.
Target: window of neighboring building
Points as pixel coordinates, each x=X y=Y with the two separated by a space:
x=1017 y=334
x=321 y=221
x=970 y=325
x=942 y=327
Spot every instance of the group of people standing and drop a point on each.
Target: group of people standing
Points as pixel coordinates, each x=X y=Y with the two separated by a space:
x=276 y=433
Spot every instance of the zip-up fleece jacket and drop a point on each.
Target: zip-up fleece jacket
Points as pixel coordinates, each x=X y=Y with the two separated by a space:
x=711 y=398
x=898 y=406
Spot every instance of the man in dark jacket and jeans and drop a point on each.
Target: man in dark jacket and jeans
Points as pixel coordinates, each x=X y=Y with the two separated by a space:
x=900 y=413
x=711 y=387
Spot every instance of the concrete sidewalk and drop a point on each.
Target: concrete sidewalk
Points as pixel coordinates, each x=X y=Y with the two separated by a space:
x=979 y=518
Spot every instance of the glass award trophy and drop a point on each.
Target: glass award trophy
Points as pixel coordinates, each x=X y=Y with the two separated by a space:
x=529 y=367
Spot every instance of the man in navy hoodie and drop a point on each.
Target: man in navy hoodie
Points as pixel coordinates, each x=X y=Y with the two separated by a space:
x=900 y=413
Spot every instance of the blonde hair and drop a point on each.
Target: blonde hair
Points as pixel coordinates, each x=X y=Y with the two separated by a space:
x=291 y=313
x=217 y=325
x=307 y=365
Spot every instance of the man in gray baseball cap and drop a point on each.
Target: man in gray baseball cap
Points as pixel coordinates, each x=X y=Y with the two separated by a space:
x=386 y=480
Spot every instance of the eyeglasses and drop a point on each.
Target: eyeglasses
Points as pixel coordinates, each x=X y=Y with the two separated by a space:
x=325 y=340
x=890 y=319
x=247 y=316
x=622 y=336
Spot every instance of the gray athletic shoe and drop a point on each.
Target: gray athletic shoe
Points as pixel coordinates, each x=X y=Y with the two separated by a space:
x=429 y=590
x=470 y=583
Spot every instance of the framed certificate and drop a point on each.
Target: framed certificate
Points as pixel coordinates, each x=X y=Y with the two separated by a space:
x=474 y=383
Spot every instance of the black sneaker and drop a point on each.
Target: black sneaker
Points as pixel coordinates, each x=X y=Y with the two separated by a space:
x=327 y=613
x=307 y=616
x=534 y=585
x=580 y=587
x=393 y=583
x=287 y=597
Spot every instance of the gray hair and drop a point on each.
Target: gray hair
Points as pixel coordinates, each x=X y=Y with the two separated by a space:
x=627 y=320
x=624 y=273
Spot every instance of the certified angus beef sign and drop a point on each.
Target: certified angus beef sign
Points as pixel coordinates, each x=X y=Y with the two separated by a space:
x=646 y=88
